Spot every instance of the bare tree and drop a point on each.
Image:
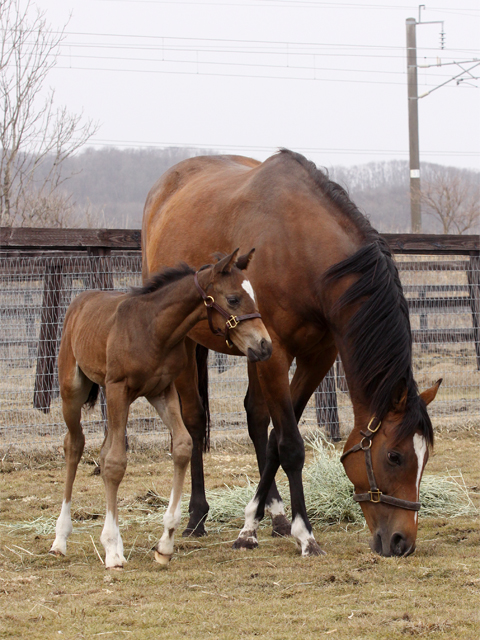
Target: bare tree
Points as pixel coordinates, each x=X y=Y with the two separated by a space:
x=452 y=197
x=35 y=137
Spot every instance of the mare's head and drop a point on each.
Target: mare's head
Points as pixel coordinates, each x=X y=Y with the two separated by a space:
x=228 y=286
x=388 y=448
x=391 y=459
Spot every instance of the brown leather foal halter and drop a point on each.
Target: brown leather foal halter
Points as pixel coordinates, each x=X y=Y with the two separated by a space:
x=231 y=320
x=375 y=495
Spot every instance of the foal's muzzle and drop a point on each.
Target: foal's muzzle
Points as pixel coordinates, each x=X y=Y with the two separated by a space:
x=396 y=545
x=262 y=352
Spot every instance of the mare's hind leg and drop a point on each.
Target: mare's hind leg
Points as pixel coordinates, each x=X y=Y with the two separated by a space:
x=74 y=388
x=194 y=418
x=258 y=419
x=168 y=407
x=113 y=462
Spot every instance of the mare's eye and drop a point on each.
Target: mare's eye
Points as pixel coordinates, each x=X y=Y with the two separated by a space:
x=394 y=458
x=233 y=301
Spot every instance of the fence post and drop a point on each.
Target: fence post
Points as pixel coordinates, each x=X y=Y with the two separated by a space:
x=47 y=344
x=473 y=275
x=326 y=407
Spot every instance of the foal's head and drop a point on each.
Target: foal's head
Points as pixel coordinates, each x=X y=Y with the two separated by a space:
x=399 y=451
x=226 y=283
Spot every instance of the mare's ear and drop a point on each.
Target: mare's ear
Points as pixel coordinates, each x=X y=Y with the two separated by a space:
x=400 y=398
x=225 y=264
x=429 y=394
x=243 y=261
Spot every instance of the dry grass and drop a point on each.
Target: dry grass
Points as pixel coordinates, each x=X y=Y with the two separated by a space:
x=211 y=591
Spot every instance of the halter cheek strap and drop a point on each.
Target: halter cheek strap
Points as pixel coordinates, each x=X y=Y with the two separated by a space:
x=231 y=320
x=375 y=495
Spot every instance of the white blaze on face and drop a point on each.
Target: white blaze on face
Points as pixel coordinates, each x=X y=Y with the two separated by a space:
x=247 y=285
x=420 y=447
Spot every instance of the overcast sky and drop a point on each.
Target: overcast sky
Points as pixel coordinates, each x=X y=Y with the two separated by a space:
x=327 y=79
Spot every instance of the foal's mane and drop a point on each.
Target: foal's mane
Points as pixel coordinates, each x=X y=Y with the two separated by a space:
x=161 y=279
x=379 y=333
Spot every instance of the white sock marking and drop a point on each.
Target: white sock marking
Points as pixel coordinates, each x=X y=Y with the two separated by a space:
x=276 y=508
x=250 y=527
x=420 y=447
x=112 y=543
x=301 y=534
x=247 y=285
x=63 y=529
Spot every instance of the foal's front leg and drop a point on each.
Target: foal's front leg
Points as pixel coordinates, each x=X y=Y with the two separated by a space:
x=113 y=462
x=168 y=407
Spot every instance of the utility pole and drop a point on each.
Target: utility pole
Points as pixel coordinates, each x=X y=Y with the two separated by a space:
x=415 y=208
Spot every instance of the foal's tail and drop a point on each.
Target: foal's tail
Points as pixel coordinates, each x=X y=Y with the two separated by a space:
x=92 y=397
x=202 y=370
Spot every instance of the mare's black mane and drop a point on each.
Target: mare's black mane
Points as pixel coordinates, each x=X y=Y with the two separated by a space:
x=379 y=334
x=163 y=278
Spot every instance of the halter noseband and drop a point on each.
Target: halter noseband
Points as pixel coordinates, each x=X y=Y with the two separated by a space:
x=375 y=495
x=231 y=320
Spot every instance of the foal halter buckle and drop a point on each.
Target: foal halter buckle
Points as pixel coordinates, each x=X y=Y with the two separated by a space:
x=231 y=321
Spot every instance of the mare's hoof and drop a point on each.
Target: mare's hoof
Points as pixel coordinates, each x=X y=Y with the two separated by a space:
x=116 y=568
x=195 y=532
x=281 y=526
x=312 y=549
x=56 y=553
x=246 y=542
x=162 y=559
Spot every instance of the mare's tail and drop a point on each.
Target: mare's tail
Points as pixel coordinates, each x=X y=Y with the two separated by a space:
x=202 y=370
x=92 y=397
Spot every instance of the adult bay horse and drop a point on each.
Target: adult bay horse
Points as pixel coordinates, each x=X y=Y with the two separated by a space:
x=133 y=344
x=339 y=292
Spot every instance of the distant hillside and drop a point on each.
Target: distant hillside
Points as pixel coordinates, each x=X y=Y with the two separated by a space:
x=112 y=185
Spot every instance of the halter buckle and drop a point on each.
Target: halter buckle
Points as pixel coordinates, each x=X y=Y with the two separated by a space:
x=209 y=301
x=376 y=428
x=232 y=322
x=375 y=495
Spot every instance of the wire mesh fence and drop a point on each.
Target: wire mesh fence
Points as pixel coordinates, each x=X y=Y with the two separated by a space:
x=444 y=301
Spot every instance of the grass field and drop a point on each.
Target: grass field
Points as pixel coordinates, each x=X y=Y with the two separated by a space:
x=209 y=590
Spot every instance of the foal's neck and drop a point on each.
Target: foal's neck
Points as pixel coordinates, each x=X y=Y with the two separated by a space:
x=178 y=307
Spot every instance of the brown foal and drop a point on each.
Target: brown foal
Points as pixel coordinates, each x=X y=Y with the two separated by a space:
x=133 y=345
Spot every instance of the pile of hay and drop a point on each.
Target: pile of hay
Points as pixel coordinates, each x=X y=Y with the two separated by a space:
x=328 y=493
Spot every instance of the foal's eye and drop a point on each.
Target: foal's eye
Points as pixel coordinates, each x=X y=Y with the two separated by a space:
x=394 y=458
x=233 y=301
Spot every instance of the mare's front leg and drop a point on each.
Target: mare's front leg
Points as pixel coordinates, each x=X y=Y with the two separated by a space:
x=194 y=417
x=258 y=420
x=113 y=462
x=168 y=407
x=285 y=447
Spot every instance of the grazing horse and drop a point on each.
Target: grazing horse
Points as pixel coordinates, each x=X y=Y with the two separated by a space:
x=133 y=344
x=339 y=291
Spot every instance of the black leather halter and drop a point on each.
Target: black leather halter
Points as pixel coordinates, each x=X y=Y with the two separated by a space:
x=375 y=495
x=231 y=320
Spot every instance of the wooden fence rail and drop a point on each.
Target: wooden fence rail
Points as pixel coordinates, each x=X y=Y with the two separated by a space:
x=43 y=244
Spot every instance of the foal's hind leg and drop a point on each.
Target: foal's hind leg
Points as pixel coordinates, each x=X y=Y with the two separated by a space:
x=113 y=462
x=74 y=387
x=258 y=419
x=168 y=407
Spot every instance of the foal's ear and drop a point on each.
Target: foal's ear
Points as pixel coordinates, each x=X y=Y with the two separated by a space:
x=225 y=264
x=243 y=261
x=429 y=394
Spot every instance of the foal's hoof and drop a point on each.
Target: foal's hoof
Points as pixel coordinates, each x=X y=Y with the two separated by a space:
x=162 y=559
x=281 y=526
x=246 y=541
x=56 y=552
x=312 y=549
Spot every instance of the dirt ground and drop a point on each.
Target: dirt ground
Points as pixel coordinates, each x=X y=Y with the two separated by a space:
x=209 y=590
